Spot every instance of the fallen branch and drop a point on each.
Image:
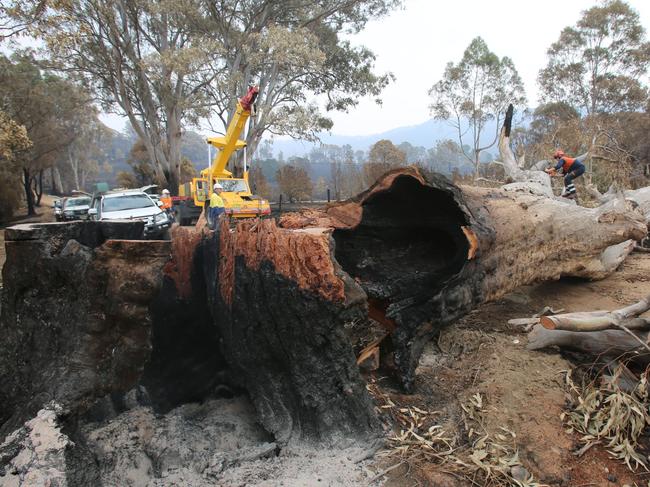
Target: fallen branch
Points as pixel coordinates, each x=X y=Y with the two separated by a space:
x=601 y=320
x=609 y=343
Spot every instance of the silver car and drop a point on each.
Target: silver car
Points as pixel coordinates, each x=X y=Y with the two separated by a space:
x=75 y=208
x=132 y=205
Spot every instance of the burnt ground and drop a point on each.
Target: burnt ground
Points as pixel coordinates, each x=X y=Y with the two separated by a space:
x=523 y=390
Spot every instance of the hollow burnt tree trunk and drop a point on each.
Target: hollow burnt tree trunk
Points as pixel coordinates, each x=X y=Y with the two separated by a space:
x=413 y=253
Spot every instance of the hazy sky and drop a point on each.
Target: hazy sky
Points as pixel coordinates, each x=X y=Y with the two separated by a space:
x=416 y=42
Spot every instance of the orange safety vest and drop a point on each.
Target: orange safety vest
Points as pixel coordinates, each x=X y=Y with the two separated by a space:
x=166 y=203
x=566 y=165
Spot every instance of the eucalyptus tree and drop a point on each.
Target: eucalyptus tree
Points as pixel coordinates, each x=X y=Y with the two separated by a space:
x=168 y=63
x=601 y=63
x=475 y=92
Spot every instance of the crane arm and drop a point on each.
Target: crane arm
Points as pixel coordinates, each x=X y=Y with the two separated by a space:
x=230 y=142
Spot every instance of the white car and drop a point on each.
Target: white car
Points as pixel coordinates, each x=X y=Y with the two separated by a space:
x=75 y=208
x=131 y=205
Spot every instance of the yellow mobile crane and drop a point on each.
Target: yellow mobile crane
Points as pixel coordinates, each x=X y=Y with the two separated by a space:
x=238 y=199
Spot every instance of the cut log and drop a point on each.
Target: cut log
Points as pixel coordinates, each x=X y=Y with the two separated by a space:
x=601 y=320
x=606 y=343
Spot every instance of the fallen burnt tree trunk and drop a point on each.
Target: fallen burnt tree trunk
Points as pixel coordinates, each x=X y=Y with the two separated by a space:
x=413 y=253
x=289 y=300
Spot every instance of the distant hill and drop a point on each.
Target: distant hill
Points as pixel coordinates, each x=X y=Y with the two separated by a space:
x=425 y=134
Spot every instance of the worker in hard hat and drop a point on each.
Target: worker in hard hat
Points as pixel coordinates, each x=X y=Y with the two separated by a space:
x=571 y=168
x=167 y=204
x=166 y=199
x=216 y=206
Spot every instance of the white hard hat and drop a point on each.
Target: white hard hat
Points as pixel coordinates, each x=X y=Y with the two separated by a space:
x=217 y=186
x=165 y=191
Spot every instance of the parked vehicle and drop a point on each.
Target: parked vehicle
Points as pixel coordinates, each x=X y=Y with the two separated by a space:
x=131 y=205
x=58 y=210
x=75 y=208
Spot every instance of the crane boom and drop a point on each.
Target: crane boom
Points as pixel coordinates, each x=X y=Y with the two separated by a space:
x=238 y=199
x=230 y=142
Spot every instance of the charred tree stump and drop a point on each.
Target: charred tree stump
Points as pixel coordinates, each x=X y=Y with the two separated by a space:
x=75 y=314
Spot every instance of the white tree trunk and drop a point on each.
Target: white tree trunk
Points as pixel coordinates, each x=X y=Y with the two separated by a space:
x=535 y=182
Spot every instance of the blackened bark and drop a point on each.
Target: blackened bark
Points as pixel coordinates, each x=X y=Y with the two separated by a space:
x=38 y=183
x=290 y=349
x=507 y=123
x=75 y=323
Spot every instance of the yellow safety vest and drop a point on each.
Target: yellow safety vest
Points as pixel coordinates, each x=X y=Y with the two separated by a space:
x=216 y=201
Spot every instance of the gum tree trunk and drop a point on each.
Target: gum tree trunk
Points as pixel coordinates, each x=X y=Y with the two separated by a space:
x=297 y=300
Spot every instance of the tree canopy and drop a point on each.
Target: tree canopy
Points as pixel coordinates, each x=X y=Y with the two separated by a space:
x=166 y=64
x=596 y=64
x=476 y=90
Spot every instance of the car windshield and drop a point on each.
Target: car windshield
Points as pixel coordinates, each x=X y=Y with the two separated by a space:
x=69 y=203
x=127 y=202
x=233 y=185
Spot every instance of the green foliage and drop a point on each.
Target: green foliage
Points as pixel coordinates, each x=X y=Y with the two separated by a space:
x=127 y=180
x=165 y=64
x=295 y=50
x=476 y=90
x=382 y=157
x=597 y=64
x=49 y=107
x=259 y=185
x=385 y=152
x=13 y=142
x=143 y=172
x=13 y=139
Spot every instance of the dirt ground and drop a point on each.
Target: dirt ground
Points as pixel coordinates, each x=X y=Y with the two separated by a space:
x=523 y=390
x=45 y=213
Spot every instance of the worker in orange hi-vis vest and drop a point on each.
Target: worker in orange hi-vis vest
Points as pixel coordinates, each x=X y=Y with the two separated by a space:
x=166 y=200
x=167 y=205
x=571 y=168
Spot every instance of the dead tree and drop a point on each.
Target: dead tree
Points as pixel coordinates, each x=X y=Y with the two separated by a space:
x=533 y=181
